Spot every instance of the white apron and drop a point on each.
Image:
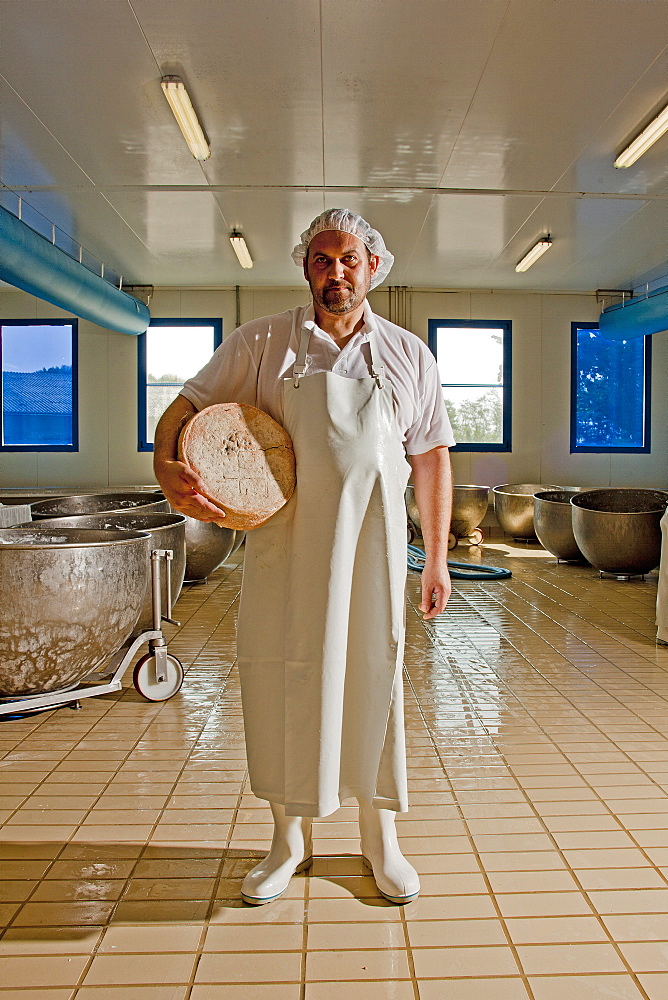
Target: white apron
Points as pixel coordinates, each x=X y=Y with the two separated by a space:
x=322 y=616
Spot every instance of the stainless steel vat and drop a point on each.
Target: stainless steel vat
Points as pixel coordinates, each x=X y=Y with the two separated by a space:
x=469 y=506
x=30 y=494
x=25 y=496
x=618 y=529
x=513 y=506
x=238 y=541
x=207 y=546
x=553 y=521
x=44 y=492
x=167 y=531
x=69 y=598
x=97 y=503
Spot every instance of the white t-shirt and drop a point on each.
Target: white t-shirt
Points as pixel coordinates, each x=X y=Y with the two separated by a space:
x=250 y=365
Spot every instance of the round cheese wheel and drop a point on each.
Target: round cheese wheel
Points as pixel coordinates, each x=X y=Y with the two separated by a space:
x=244 y=458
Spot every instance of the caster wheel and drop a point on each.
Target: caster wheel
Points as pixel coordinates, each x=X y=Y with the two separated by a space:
x=476 y=536
x=410 y=533
x=145 y=680
x=452 y=541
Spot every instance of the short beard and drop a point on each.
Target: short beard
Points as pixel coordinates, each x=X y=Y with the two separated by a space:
x=338 y=305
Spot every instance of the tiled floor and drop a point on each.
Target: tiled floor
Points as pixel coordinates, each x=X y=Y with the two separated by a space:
x=537 y=713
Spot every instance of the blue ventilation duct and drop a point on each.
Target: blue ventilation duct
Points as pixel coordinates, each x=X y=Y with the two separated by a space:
x=638 y=318
x=30 y=262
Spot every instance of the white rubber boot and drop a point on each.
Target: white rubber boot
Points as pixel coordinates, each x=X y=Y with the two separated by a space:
x=662 y=636
x=395 y=877
x=291 y=851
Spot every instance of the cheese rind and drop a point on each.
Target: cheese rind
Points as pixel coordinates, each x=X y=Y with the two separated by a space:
x=244 y=458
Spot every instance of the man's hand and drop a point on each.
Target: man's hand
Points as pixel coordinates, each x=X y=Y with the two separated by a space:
x=182 y=487
x=436 y=588
x=184 y=490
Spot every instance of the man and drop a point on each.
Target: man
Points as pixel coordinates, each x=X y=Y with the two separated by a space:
x=321 y=621
x=662 y=591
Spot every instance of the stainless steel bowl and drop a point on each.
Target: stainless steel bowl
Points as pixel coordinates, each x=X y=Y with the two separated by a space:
x=98 y=503
x=167 y=531
x=207 y=546
x=30 y=494
x=69 y=598
x=513 y=506
x=553 y=521
x=238 y=541
x=618 y=529
x=469 y=506
x=27 y=496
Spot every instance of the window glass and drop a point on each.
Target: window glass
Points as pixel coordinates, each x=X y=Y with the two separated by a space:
x=610 y=392
x=170 y=352
x=38 y=386
x=473 y=360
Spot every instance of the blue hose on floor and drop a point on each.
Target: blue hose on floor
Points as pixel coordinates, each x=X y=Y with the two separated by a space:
x=458 y=570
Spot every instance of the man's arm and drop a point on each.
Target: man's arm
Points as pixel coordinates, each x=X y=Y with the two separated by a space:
x=432 y=480
x=182 y=487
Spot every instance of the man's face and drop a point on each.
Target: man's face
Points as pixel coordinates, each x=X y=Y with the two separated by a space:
x=339 y=271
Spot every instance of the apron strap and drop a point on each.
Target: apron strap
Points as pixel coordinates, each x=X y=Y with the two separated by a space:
x=299 y=367
x=377 y=369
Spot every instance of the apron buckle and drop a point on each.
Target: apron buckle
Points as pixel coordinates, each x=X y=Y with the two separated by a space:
x=378 y=373
x=298 y=372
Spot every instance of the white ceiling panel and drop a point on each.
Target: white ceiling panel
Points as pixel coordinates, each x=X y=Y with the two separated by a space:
x=616 y=261
x=467 y=235
x=556 y=74
x=29 y=153
x=253 y=70
x=85 y=72
x=187 y=235
x=393 y=110
x=463 y=130
x=593 y=168
x=99 y=226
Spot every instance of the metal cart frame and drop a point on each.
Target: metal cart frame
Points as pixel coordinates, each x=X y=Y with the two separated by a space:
x=157 y=676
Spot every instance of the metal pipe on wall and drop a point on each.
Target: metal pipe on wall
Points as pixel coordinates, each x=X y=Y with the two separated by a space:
x=31 y=262
x=637 y=317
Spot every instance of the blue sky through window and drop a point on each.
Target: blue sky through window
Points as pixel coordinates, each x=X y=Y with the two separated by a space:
x=38 y=386
x=30 y=348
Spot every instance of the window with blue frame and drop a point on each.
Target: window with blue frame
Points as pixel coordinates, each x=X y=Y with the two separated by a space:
x=38 y=385
x=610 y=392
x=169 y=353
x=474 y=363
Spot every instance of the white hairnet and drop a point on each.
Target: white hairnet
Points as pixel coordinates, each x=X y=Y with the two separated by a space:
x=347 y=222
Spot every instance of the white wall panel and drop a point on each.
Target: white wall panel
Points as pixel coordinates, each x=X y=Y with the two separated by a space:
x=166 y=303
x=126 y=464
x=15 y=304
x=18 y=469
x=263 y=302
x=208 y=304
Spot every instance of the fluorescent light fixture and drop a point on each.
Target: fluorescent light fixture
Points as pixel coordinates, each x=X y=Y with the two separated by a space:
x=240 y=249
x=181 y=105
x=537 y=251
x=647 y=138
